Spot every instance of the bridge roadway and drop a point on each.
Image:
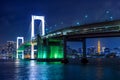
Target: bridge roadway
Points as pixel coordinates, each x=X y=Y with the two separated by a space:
x=101 y=29
x=80 y=33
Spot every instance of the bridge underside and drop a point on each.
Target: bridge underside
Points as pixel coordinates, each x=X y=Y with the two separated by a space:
x=79 y=37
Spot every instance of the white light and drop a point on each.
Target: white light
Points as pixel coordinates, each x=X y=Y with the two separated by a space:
x=32 y=29
x=43 y=25
x=107 y=12
x=32 y=51
x=78 y=23
x=22 y=54
x=86 y=16
x=19 y=38
x=33 y=32
x=111 y=17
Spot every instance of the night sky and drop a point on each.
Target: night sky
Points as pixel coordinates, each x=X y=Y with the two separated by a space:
x=15 y=15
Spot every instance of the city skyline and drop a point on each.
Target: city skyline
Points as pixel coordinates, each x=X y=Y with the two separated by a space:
x=16 y=15
x=108 y=42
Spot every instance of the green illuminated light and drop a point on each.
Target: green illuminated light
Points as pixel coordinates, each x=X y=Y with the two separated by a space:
x=52 y=51
x=55 y=55
x=44 y=55
x=56 y=52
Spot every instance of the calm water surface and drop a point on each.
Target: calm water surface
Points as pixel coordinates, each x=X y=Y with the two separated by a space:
x=32 y=70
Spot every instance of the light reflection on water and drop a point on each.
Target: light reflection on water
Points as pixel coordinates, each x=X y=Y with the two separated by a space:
x=32 y=70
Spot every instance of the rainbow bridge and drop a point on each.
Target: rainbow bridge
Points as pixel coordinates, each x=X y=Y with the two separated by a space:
x=54 y=44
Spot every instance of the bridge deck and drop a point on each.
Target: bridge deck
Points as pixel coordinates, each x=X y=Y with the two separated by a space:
x=111 y=28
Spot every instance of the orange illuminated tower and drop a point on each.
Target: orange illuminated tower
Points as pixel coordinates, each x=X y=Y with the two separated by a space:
x=99 y=46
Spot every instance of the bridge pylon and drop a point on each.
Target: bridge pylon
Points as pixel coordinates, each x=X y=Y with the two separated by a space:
x=41 y=18
x=17 y=46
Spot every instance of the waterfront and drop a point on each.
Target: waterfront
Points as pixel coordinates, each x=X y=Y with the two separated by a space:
x=32 y=70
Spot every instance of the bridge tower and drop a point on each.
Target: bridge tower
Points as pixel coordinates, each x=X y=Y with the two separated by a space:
x=41 y=18
x=99 y=47
x=17 y=46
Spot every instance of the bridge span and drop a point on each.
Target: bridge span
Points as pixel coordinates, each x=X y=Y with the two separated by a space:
x=101 y=29
x=53 y=45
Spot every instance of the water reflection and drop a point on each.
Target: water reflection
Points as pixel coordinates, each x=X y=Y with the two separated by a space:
x=99 y=72
x=32 y=63
x=32 y=70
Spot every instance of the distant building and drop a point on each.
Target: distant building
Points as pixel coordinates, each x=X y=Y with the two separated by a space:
x=80 y=50
x=91 y=50
x=8 y=49
x=11 y=47
x=107 y=50
x=103 y=49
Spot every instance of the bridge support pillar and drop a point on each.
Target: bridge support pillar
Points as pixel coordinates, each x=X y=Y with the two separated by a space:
x=84 y=47
x=65 y=60
x=32 y=51
x=64 y=47
x=22 y=54
x=84 y=59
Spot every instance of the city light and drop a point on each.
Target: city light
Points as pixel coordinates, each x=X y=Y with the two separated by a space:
x=78 y=23
x=86 y=16
x=99 y=46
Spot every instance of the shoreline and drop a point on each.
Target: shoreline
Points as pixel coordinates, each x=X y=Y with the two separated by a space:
x=91 y=61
